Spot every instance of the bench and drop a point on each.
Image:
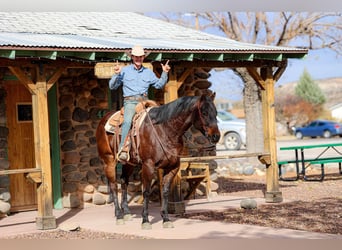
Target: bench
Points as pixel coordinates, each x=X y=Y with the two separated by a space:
x=320 y=161
x=194 y=173
x=195 y=170
x=305 y=162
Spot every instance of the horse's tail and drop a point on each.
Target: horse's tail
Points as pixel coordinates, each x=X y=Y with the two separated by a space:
x=103 y=144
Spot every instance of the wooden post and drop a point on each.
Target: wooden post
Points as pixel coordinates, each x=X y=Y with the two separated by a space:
x=171 y=88
x=45 y=218
x=273 y=194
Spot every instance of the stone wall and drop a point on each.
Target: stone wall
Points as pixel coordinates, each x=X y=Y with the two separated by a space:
x=82 y=100
x=5 y=196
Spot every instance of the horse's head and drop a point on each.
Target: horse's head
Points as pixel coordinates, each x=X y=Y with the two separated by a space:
x=204 y=118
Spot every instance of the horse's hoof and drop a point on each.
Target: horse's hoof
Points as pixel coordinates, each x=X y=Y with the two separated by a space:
x=168 y=224
x=128 y=217
x=120 y=222
x=146 y=226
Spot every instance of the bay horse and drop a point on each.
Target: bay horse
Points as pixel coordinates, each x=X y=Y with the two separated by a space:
x=160 y=144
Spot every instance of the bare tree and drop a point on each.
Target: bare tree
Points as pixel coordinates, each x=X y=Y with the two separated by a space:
x=299 y=29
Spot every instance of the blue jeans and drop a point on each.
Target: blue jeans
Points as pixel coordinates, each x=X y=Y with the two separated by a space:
x=129 y=111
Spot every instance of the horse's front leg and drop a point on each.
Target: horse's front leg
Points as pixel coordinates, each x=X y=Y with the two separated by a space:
x=167 y=180
x=126 y=172
x=117 y=210
x=147 y=176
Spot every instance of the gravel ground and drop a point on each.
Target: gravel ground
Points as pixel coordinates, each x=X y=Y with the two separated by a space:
x=310 y=206
x=74 y=235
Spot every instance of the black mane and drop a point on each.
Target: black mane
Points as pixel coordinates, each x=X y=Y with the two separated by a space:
x=170 y=110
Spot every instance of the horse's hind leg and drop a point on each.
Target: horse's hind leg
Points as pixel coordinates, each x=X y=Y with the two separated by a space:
x=110 y=171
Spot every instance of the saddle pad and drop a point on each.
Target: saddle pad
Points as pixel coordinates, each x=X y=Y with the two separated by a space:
x=113 y=121
x=116 y=120
x=141 y=116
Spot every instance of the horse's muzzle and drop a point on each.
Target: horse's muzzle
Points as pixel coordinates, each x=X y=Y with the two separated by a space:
x=213 y=135
x=214 y=138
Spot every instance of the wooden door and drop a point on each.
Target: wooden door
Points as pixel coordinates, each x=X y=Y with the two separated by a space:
x=20 y=145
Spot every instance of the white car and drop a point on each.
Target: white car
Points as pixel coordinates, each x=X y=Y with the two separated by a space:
x=232 y=129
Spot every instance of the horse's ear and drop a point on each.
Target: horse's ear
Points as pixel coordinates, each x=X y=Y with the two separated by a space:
x=212 y=96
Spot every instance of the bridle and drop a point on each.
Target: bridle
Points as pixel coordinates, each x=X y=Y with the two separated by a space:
x=203 y=123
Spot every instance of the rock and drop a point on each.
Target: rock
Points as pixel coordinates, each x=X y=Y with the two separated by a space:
x=248 y=203
x=259 y=172
x=4 y=207
x=5 y=196
x=4 y=164
x=99 y=199
x=213 y=186
x=89 y=189
x=4 y=181
x=69 y=187
x=68 y=146
x=104 y=189
x=69 y=226
x=248 y=170
x=80 y=115
x=71 y=201
x=87 y=197
x=91 y=177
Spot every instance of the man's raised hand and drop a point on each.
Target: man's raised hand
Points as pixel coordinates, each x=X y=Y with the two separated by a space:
x=117 y=67
x=166 y=67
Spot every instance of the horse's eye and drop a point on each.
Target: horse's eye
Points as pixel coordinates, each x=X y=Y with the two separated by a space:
x=205 y=113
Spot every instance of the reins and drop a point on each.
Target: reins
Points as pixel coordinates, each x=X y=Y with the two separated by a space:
x=160 y=142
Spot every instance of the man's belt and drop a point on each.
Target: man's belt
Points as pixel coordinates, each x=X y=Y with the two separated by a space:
x=139 y=98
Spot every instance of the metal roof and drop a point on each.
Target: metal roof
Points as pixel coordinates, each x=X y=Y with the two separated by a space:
x=111 y=34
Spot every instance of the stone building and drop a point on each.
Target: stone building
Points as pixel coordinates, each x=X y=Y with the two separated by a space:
x=52 y=100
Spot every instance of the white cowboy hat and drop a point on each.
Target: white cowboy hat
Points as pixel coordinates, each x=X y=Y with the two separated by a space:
x=137 y=50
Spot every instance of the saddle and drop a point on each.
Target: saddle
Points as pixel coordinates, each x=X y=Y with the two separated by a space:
x=114 y=124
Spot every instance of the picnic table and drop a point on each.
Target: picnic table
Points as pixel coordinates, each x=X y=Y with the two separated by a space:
x=322 y=159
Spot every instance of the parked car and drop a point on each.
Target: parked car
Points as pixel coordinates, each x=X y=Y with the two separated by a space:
x=319 y=128
x=232 y=129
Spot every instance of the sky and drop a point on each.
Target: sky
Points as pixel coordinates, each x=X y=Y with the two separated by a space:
x=320 y=64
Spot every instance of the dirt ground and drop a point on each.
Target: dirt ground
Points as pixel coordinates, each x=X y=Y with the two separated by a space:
x=308 y=206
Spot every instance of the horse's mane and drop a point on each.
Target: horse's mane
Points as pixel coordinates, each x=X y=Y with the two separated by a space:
x=170 y=110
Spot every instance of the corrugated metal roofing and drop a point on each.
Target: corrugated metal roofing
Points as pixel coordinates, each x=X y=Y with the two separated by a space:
x=113 y=31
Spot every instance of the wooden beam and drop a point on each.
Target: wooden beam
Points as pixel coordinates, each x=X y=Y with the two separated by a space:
x=218 y=157
x=20 y=171
x=256 y=76
x=257 y=63
x=55 y=77
x=22 y=77
x=182 y=78
x=279 y=72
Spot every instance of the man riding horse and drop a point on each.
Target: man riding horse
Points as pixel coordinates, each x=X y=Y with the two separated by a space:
x=136 y=80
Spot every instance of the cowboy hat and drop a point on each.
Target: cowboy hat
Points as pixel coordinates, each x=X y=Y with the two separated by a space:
x=137 y=50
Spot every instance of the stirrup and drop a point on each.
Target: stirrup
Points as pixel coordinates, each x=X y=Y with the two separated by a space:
x=123 y=156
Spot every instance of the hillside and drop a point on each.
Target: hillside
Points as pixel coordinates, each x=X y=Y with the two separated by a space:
x=332 y=88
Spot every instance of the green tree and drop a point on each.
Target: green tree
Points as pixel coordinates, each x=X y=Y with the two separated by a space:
x=308 y=90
